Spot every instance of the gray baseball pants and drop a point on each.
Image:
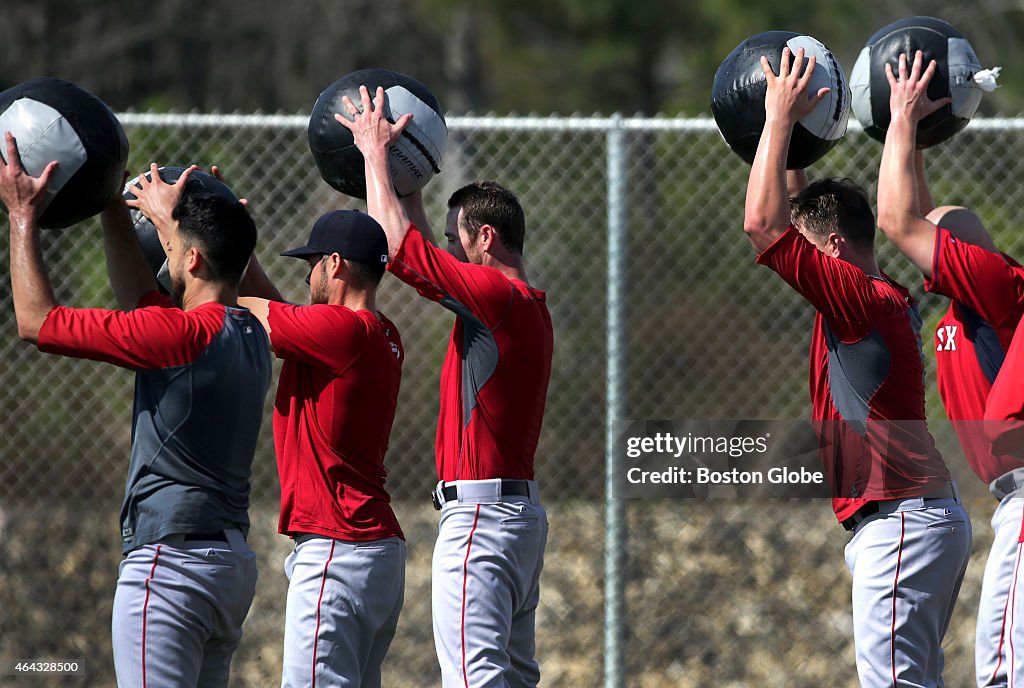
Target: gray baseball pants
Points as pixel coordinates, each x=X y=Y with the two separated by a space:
x=907 y=562
x=999 y=640
x=178 y=611
x=485 y=589
x=344 y=599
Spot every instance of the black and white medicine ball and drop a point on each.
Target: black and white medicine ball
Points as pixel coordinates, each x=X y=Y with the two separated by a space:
x=53 y=119
x=146 y=232
x=956 y=66
x=738 y=93
x=414 y=158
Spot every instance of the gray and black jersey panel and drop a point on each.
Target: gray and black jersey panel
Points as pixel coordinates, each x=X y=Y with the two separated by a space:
x=987 y=347
x=194 y=436
x=478 y=352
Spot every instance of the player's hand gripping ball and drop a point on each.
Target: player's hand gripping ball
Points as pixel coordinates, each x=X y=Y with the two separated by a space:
x=52 y=119
x=738 y=93
x=958 y=75
x=414 y=158
x=146 y=232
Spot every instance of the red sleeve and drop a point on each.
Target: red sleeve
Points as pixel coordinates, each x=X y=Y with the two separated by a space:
x=148 y=337
x=322 y=334
x=980 y=279
x=438 y=275
x=841 y=292
x=1004 y=410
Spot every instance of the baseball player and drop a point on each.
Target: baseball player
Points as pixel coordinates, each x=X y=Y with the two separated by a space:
x=335 y=405
x=986 y=290
x=911 y=536
x=202 y=373
x=490 y=546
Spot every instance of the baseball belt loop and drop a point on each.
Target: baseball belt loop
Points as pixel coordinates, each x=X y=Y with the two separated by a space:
x=956 y=491
x=437 y=496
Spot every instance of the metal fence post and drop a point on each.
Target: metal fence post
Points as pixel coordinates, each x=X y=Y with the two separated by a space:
x=616 y=344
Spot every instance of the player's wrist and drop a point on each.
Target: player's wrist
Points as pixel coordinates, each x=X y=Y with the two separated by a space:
x=377 y=155
x=116 y=219
x=779 y=119
x=23 y=217
x=902 y=122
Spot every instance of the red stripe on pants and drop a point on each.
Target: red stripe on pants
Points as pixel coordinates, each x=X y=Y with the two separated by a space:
x=1002 y=626
x=1012 y=602
x=316 y=634
x=465 y=576
x=145 y=609
x=895 y=582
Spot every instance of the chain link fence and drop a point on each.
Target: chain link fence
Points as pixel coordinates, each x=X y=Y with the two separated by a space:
x=727 y=592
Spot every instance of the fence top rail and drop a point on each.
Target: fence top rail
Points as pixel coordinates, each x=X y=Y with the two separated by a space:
x=494 y=122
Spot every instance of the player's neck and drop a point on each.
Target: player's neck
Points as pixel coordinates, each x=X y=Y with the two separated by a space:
x=357 y=300
x=865 y=262
x=201 y=293
x=870 y=266
x=510 y=265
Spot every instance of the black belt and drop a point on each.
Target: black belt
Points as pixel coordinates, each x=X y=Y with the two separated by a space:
x=509 y=488
x=219 y=536
x=860 y=514
x=871 y=508
x=1007 y=484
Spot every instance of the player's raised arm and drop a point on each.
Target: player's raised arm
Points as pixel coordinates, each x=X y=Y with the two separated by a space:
x=130 y=275
x=256 y=283
x=373 y=135
x=796 y=181
x=900 y=216
x=23 y=195
x=766 y=213
x=925 y=202
x=417 y=214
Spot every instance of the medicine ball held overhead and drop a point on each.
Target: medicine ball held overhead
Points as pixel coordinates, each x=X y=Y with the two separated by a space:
x=415 y=157
x=146 y=232
x=737 y=97
x=958 y=75
x=53 y=119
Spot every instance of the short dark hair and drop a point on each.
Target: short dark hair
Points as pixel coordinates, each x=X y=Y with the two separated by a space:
x=221 y=228
x=490 y=203
x=365 y=276
x=835 y=205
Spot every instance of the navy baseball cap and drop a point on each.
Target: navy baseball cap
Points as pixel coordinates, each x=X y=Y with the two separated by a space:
x=349 y=233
